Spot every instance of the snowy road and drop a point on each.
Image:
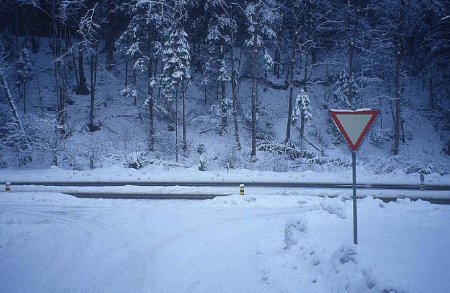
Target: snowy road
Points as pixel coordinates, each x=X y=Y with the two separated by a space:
x=276 y=184
x=51 y=242
x=209 y=192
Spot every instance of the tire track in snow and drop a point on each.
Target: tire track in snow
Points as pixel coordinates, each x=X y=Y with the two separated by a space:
x=91 y=230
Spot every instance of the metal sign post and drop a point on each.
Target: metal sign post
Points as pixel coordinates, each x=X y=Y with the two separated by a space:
x=355 y=213
x=354 y=126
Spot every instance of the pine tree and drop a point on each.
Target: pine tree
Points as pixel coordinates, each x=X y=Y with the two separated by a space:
x=224 y=102
x=260 y=16
x=346 y=90
x=212 y=66
x=221 y=39
x=303 y=111
x=176 y=76
x=141 y=41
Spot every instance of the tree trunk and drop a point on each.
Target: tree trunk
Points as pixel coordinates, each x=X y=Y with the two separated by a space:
x=395 y=150
x=276 y=67
x=126 y=70
x=302 y=114
x=134 y=86
x=184 y=117
x=430 y=88
x=305 y=73
x=82 y=88
x=150 y=104
x=93 y=70
x=109 y=48
x=302 y=128
x=254 y=94
x=58 y=52
x=91 y=112
x=151 y=126
x=398 y=64
x=74 y=62
x=234 y=93
x=24 y=94
x=55 y=160
x=351 y=99
x=290 y=76
x=223 y=105
x=176 y=124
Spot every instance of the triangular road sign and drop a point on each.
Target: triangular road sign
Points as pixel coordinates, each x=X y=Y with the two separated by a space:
x=354 y=125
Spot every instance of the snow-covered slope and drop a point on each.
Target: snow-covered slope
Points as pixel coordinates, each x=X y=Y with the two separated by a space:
x=122 y=137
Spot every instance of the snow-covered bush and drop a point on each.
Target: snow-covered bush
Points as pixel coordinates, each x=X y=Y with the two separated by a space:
x=47 y=138
x=91 y=149
x=12 y=143
x=134 y=160
x=426 y=168
x=323 y=163
x=291 y=150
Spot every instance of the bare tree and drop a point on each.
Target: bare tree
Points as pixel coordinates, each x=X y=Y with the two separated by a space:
x=24 y=142
x=89 y=30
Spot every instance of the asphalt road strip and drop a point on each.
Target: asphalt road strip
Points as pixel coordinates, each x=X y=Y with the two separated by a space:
x=319 y=185
x=167 y=193
x=183 y=196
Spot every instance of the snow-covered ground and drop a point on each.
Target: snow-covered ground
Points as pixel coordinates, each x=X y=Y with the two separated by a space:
x=50 y=242
x=180 y=174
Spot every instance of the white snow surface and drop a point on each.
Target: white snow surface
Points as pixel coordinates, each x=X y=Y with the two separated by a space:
x=180 y=174
x=285 y=242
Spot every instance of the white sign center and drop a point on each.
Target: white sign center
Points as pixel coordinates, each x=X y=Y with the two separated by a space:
x=354 y=124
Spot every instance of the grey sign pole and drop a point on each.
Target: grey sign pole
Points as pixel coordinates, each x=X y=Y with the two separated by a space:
x=355 y=215
x=354 y=126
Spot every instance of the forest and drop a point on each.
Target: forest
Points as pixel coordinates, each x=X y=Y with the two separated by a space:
x=222 y=84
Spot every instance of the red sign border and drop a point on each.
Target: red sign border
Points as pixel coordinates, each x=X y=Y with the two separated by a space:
x=354 y=147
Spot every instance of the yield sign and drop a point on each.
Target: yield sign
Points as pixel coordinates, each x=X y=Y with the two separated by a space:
x=354 y=125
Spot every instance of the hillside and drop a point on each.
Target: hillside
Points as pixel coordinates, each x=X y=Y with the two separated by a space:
x=208 y=86
x=121 y=138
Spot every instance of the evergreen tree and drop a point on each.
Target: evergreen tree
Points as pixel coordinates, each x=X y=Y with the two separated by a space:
x=224 y=102
x=260 y=16
x=176 y=76
x=346 y=90
x=303 y=111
